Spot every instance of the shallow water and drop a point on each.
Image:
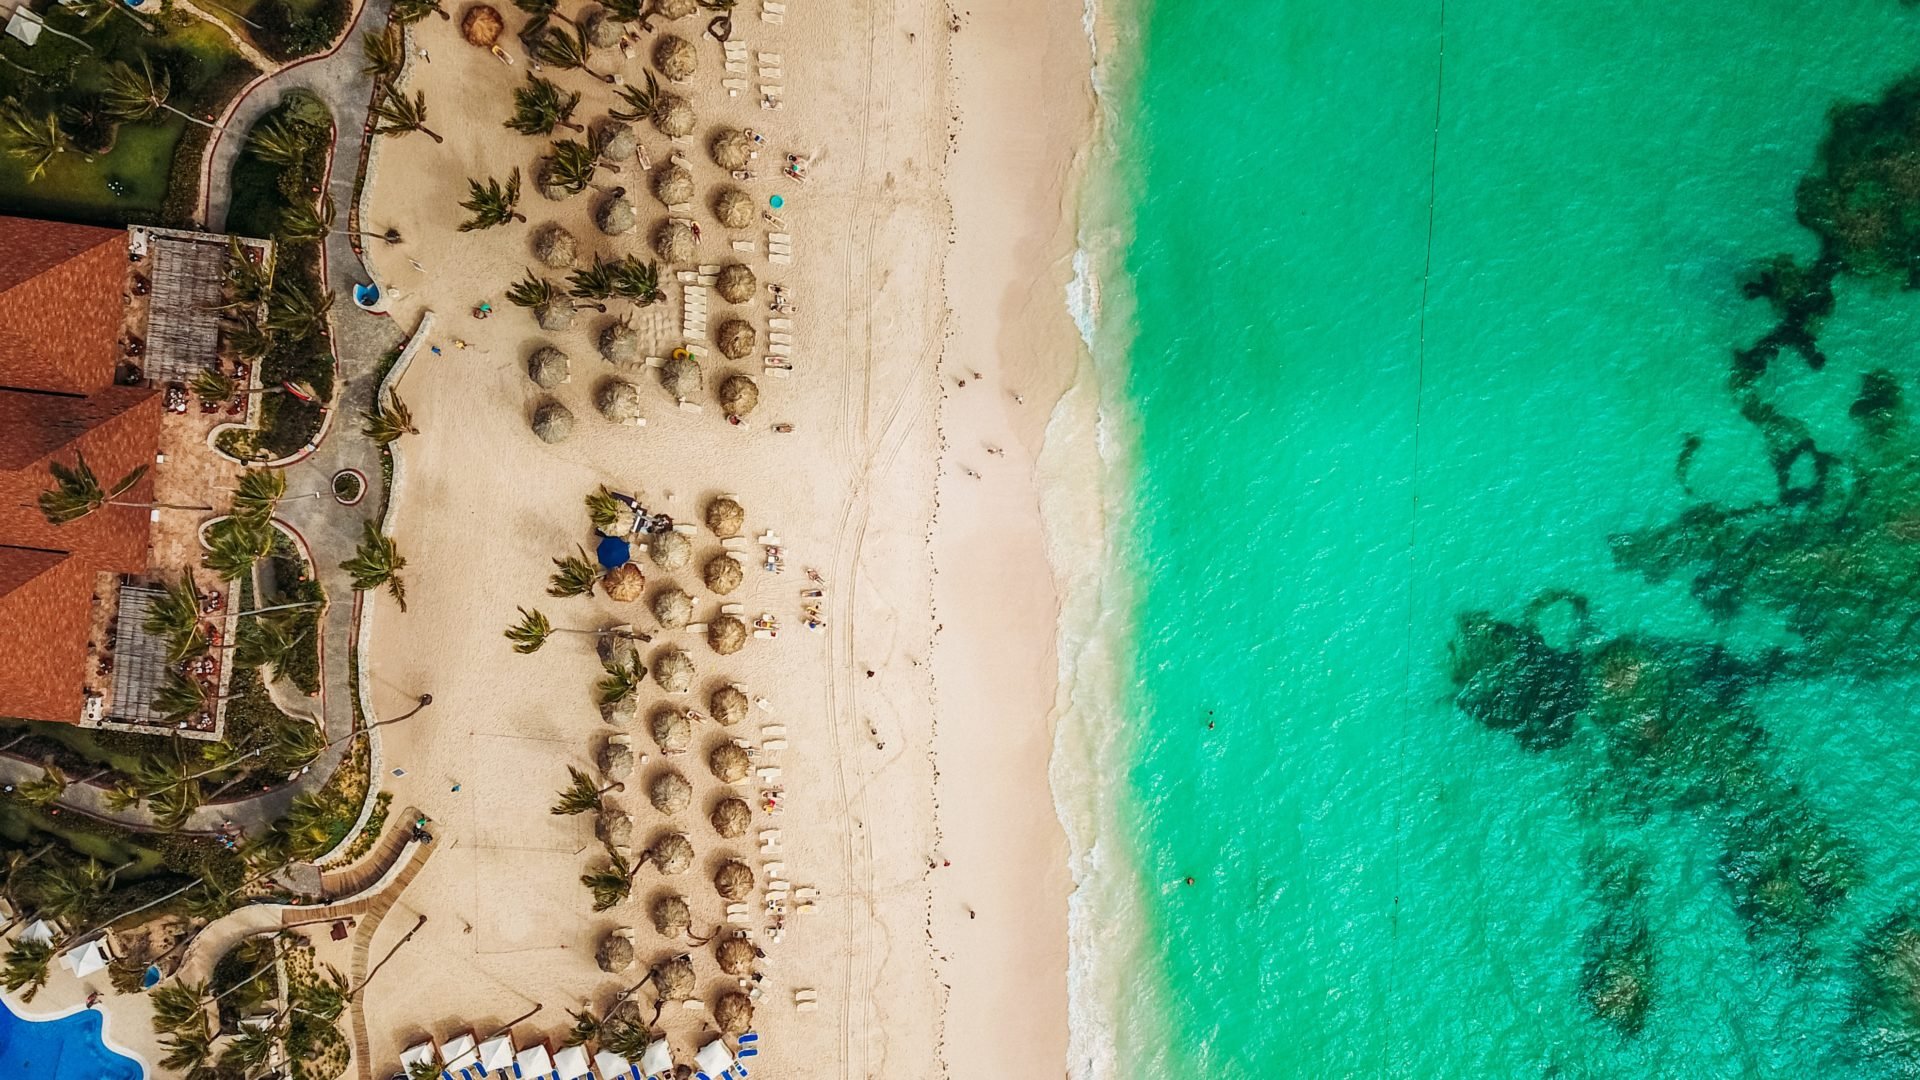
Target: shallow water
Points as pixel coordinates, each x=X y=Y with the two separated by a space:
x=1412 y=338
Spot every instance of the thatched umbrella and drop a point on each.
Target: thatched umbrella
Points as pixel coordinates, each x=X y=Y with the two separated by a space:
x=729 y=705
x=673 y=670
x=624 y=583
x=736 y=283
x=671 y=854
x=673 y=979
x=733 y=1013
x=673 y=241
x=617 y=141
x=673 y=185
x=734 y=208
x=555 y=246
x=732 y=149
x=616 y=758
x=555 y=317
x=615 y=216
x=548 y=367
x=725 y=516
x=727 y=635
x=682 y=377
x=552 y=422
x=674 y=116
x=739 y=396
x=729 y=763
x=620 y=343
x=734 y=880
x=614 y=828
x=552 y=189
x=735 y=338
x=673 y=607
x=671 y=731
x=724 y=574
x=670 y=792
x=618 y=400
x=675 y=57
x=620 y=711
x=603 y=30
x=670 y=550
x=675 y=9
x=481 y=26
x=731 y=818
x=671 y=917
x=615 y=953
x=736 y=955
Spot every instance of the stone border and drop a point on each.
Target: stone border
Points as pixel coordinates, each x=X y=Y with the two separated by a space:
x=357 y=475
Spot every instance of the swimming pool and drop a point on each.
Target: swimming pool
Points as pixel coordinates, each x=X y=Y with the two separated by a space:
x=69 y=1048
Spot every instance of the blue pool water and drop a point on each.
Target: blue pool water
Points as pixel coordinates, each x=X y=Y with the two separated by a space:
x=69 y=1048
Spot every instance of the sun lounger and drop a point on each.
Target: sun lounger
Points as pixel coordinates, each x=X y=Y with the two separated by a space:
x=735 y=84
x=780 y=349
x=769 y=774
x=709 y=269
x=745 y=245
x=733 y=609
x=695 y=628
x=779 y=324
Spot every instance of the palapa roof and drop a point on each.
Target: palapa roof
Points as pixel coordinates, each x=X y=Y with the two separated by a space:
x=724 y=574
x=603 y=30
x=617 y=141
x=674 y=116
x=729 y=705
x=671 y=916
x=735 y=955
x=548 y=367
x=673 y=241
x=671 y=854
x=673 y=979
x=676 y=9
x=618 y=400
x=673 y=670
x=736 y=338
x=671 y=730
x=682 y=377
x=733 y=1013
x=734 y=880
x=729 y=763
x=732 y=149
x=725 y=516
x=670 y=792
x=614 y=828
x=481 y=25
x=556 y=316
x=615 y=953
x=624 y=583
x=620 y=711
x=615 y=216
x=731 y=817
x=673 y=607
x=673 y=185
x=733 y=208
x=616 y=758
x=676 y=57
x=555 y=246
x=620 y=343
x=726 y=635
x=552 y=422
x=736 y=283
x=670 y=551
x=739 y=395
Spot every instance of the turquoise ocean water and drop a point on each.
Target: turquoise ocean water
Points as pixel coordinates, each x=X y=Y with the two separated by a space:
x=1411 y=335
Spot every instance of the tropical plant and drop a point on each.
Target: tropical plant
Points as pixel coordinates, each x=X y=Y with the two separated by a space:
x=179 y=698
x=188 y=1051
x=247 y=282
x=34 y=140
x=581 y=795
x=27 y=967
x=248 y=1051
x=234 y=544
x=626 y=11
x=309 y=825
x=396 y=114
x=611 y=884
x=298 y=309
x=178 y=1005
x=174 y=617
x=295 y=745
x=407 y=12
x=257 y=494
x=595 y=282
x=282 y=142
x=45 y=791
x=540 y=106
x=170 y=785
x=539 y=9
x=622 y=680
x=305 y=223
x=648 y=103
x=627 y=1038
x=637 y=282
x=76 y=492
x=268 y=640
x=567 y=48
x=603 y=509
x=247 y=337
x=534 y=292
x=530 y=633
x=378 y=562
x=65 y=890
x=386 y=53
x=576 y=575
x=213 y=385
x=95 y=13
x=390 y=421
x=493 y=204
x=139 y=94
x=572 y=166
x=586 y=1026
x=426 y=1070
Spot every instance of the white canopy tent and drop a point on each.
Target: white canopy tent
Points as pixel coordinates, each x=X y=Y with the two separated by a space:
x=459 y=1054
x=533 y=1063
x=656 y=1059
x=614 y=1067
x=24 y=25
x=496 y=1054
x=87 y=959
x=418 y=1054
x=714 y=1058
x=38 y=932
x=572 y=1063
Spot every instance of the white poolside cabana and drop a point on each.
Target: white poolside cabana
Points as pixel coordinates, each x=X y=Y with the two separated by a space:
x=656 y=1059
x=614 y=1067
x=572 y=1063
x=38 y=932
x=418 y=1054
x=714 y=1058
x=24 y=25
x=460 y=1055
x=87 y=959
x=533 y=1063
x=496 y=1055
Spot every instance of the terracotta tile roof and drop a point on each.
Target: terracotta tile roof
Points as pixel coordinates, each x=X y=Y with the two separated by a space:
x=44 y=613
x=123 y=435
x=60 y=304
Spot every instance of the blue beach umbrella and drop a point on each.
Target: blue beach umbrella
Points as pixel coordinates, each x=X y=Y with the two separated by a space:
x=614 y=552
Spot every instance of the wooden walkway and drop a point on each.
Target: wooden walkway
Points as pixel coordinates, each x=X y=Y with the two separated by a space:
x=372 y=910
x=367 y=870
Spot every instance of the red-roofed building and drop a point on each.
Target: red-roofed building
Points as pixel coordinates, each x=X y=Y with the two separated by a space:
x=61 y=309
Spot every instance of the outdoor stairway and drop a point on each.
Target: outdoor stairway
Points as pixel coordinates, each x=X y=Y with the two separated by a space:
x=372 y=910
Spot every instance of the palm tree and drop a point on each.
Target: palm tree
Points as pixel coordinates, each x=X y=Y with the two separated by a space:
x=637 y=282
x=139 y=94
x=576 y=575
x=568 y=50
x=298 y=309
x=248 y=282
x=302 y=223
x=408 y=12
x=179 y=698
x=582 y=795
x=386 y=53
x=572 y=166
x=622 y=680
x=390 y=421
x=174 y=617
x=626 y=11
x=258 y=493
x=536 y=293
x=76 y=492
x=35 y=140
x=234 y=544
x=613 y=883
x=378 y=562
x=282 y=142
x=248 y=1051
x=593 y=283
x=246 y=337
x=540 y=106
x=70 y=891
x=586 y=1026
x=267 y=642
x=396 y=114
x=45 y=791
x=188 y=1051
x=308 y=826
x=426 y=1070
x=27 y=967
x=493 y=205
x=647 y=104
x=95 y=14
x=530 y=633
x=603 y=509
x=179 y=1005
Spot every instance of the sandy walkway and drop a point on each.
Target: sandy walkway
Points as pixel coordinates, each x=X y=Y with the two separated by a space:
x=851 y=492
